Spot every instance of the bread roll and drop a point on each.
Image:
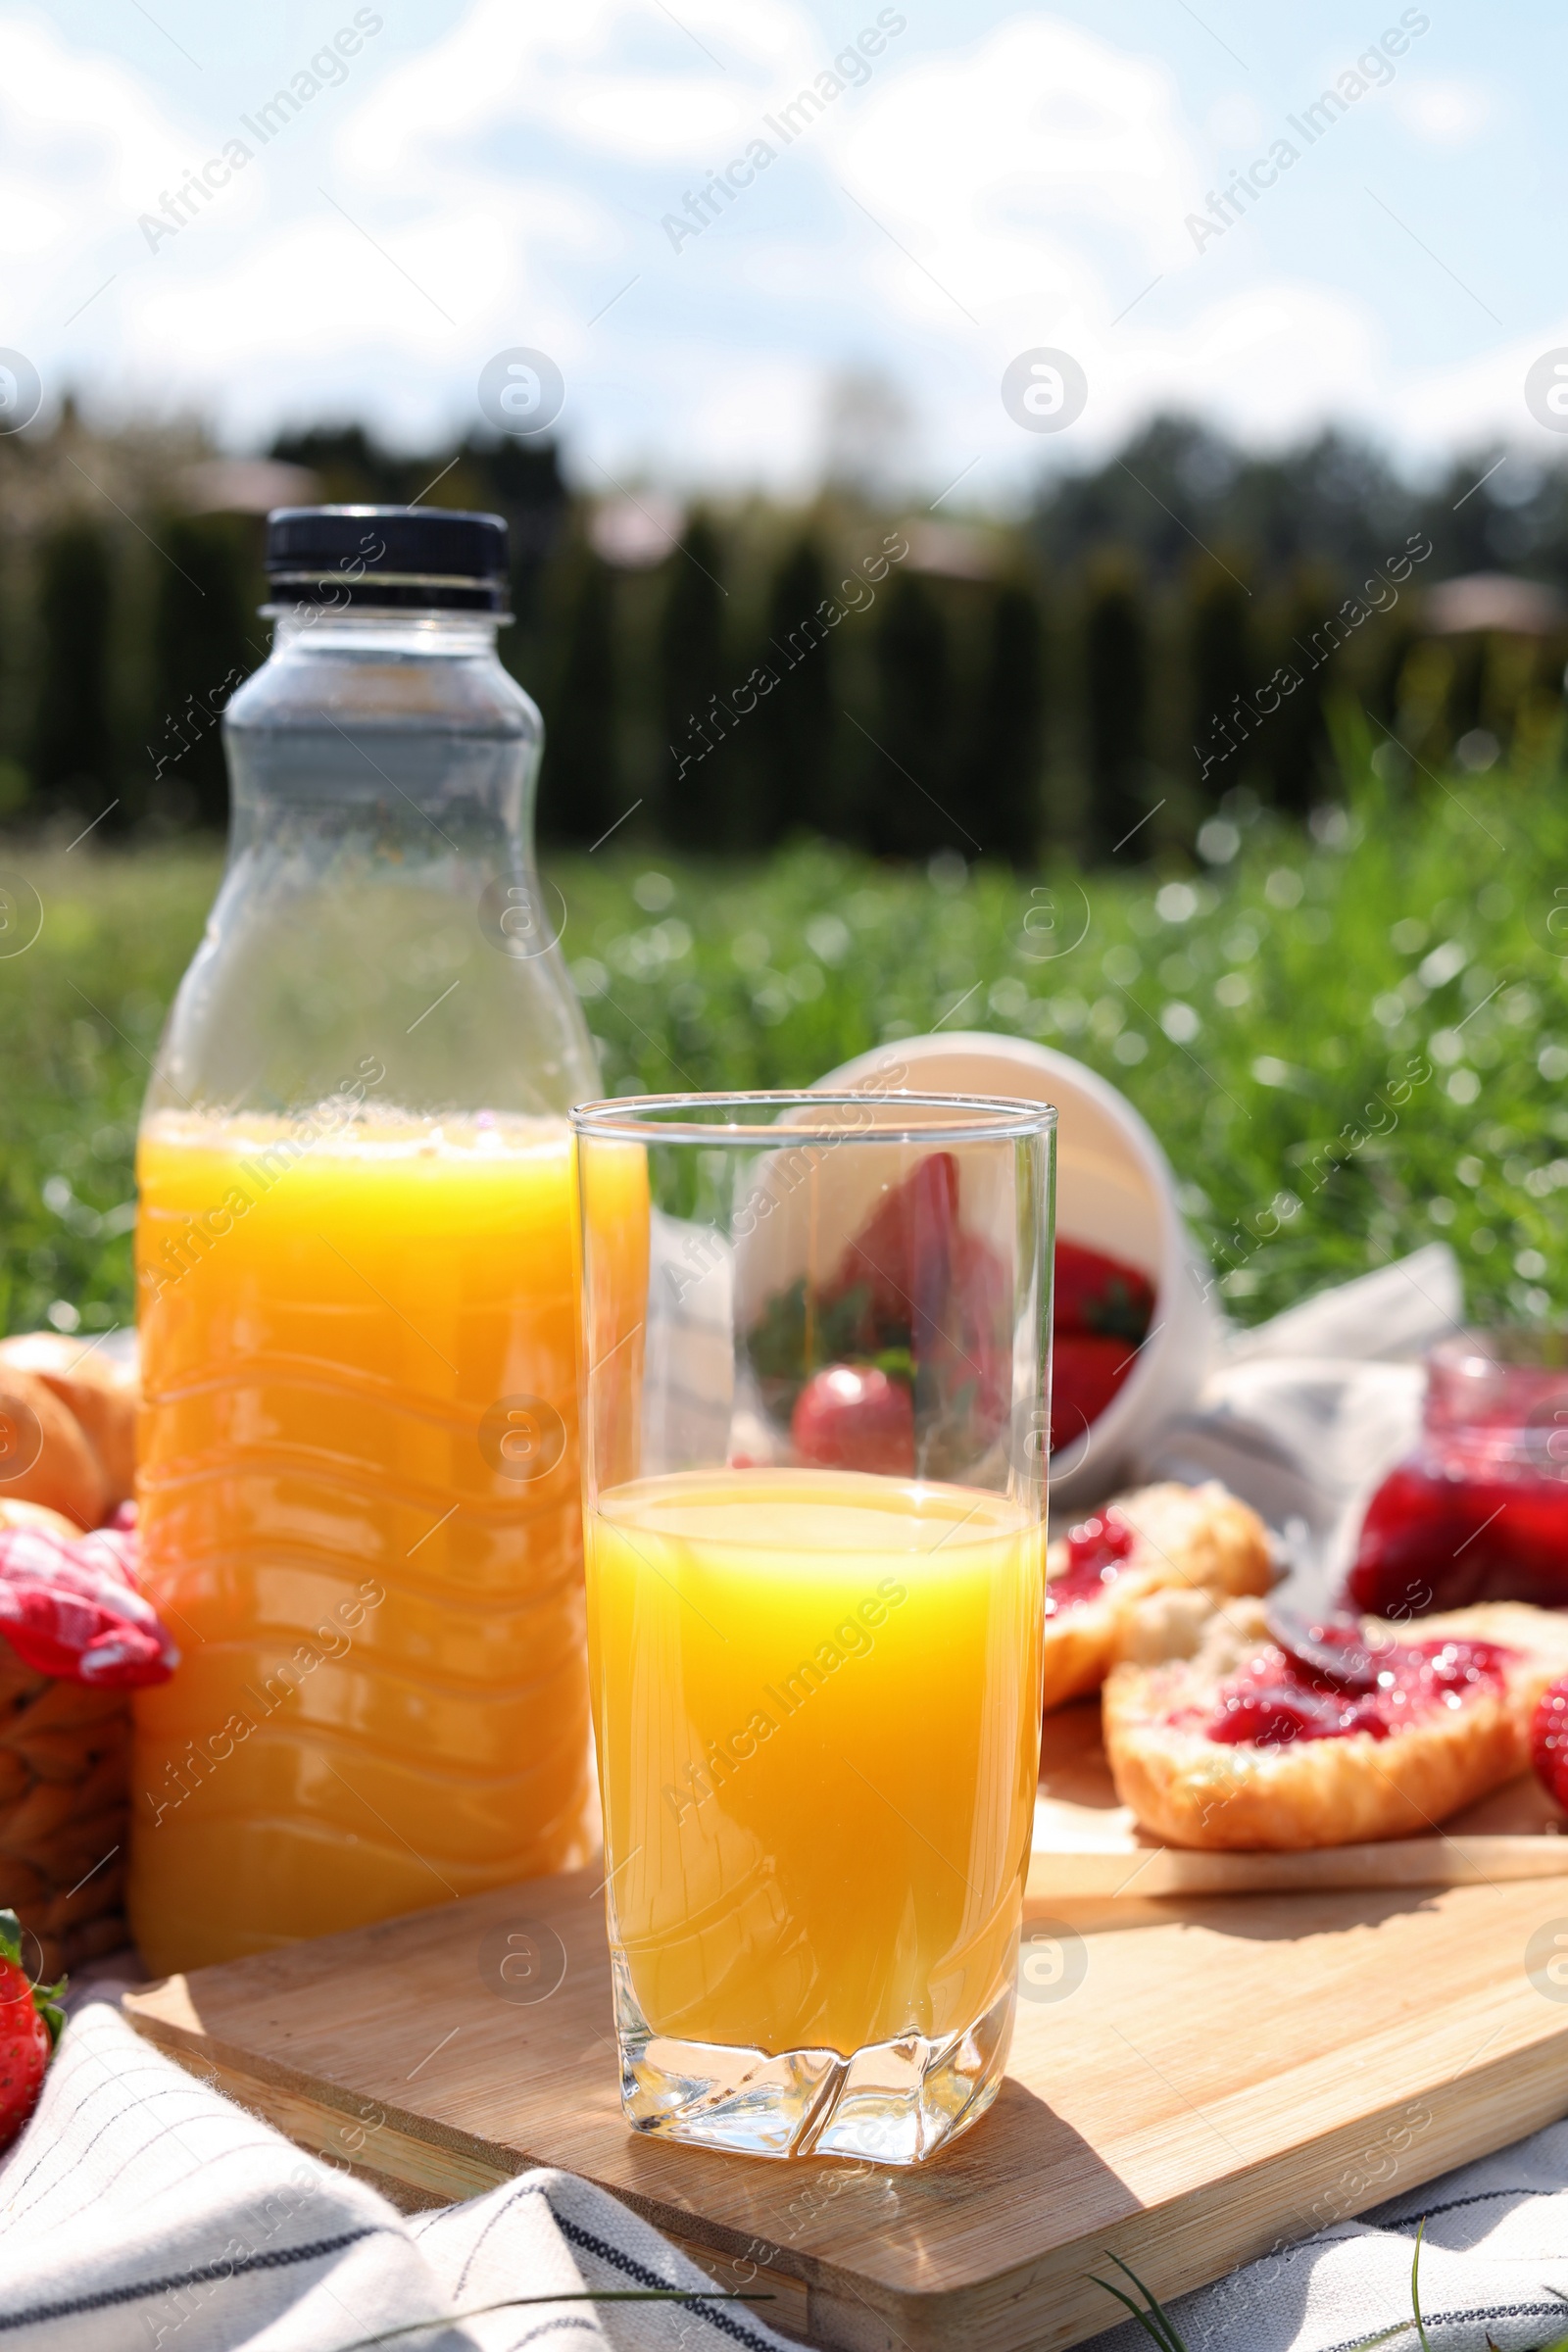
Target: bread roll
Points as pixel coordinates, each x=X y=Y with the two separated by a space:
x=45 y=1455
x=1295 y=1793
x=99 y=1390
x=39 y=1518
x=1185 y=1539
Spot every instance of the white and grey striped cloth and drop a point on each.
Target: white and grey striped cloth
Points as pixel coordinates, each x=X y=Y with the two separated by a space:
x=140 y=2209
x=1493 y=2272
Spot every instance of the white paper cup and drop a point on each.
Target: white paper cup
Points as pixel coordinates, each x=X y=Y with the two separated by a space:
x=1115 y=1191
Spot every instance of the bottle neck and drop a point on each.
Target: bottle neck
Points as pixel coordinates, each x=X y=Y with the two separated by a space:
x=404 y=722
x=412 y=635
x=381 y=907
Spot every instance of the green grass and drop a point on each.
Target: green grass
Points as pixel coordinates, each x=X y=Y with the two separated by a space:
x=1348 y=1044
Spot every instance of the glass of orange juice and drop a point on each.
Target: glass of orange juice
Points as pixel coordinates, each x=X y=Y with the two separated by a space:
x=816 y=1399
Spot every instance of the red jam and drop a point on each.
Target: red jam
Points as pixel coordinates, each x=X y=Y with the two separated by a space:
x=1326 y=1682
x=1480 y=1510
x=1549 y=1741
x=1096 y=1551
x=1439 y=1536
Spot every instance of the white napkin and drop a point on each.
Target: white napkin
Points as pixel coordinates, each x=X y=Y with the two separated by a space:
x=1304 y=1415
x=1494 y=2248
x=140 y=2208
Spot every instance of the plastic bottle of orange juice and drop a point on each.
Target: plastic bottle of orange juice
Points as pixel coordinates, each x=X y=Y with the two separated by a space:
x=359 y=1463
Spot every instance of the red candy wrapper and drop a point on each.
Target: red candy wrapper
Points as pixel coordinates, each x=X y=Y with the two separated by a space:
x=73 y=1610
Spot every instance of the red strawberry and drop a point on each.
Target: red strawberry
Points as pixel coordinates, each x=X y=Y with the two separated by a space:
x=29 y=2026
x=905 y=1253
x=853 y=1417
x=1549 y=1741
x=1095 y=1293
x=1085 y=1375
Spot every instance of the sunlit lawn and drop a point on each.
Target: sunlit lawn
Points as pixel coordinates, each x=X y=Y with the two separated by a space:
x=1350 y=1044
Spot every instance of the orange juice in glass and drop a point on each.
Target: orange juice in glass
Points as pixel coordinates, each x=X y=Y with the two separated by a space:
x=815 y=1608
x=358 y=1470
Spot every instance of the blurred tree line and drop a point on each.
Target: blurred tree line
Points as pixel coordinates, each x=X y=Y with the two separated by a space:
x=1093 y=680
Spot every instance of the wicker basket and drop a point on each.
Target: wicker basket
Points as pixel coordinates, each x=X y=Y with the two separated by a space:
x=63 y=1811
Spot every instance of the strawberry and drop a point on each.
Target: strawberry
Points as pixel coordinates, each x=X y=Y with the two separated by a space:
x=29 y=2026
x=1100 y=1294
x=1549 y=1741
x=905 y=1255
x=1085 y=1375
x=853 y=1417
x=907 y=1352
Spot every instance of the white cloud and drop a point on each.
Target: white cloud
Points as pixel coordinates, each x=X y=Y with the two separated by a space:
x=1444 y=113
x=29 y=222
x=1234 y=120
x=768 y=405
x=1032 y=175
x=565 y=70
x=1481 y=399
x=1272 y=362
x=310 y=318
x=84 y=123
x=86 y=148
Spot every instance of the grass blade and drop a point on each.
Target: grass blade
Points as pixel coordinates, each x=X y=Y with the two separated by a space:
x=1128 y=2304
x=1152 y=2320
x=1415 y=2284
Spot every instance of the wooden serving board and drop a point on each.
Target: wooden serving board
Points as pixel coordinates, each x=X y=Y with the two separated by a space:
x=1192 y=2083
x=1087 y=1847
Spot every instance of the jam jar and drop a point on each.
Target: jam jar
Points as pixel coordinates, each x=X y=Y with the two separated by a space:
x=1479 y=1510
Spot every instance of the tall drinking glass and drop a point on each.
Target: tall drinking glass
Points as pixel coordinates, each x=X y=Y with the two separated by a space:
x=815 y=1375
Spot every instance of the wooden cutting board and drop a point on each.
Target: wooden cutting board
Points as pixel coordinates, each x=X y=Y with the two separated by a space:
x=1088 y=1846
x=1193 y=2082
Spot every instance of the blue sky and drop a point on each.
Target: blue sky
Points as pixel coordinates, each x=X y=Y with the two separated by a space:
x=489 y=173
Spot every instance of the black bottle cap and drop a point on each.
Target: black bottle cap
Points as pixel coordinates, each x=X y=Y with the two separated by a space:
x=392 y=558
